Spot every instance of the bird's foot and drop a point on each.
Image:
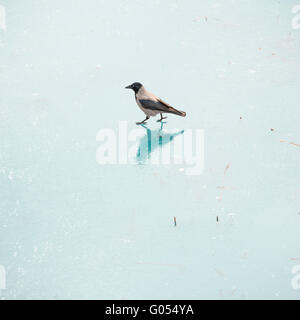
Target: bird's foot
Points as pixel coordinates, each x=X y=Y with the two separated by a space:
x=161 y=119
x=142 y=122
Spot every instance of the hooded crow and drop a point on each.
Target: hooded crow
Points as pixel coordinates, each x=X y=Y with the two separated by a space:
x=150 y=104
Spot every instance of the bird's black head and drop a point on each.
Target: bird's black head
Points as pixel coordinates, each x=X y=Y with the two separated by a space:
x=135 y=86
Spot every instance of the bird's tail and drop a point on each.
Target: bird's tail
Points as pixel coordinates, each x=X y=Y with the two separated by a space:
x=178 y=112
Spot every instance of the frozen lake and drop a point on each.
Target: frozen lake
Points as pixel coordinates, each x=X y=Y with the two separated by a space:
x=73 y=228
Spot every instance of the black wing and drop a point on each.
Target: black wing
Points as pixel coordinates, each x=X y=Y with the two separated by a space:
x=155 y=105
x=160 y=106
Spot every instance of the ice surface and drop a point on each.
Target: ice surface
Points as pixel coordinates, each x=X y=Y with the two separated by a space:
x=71 y=228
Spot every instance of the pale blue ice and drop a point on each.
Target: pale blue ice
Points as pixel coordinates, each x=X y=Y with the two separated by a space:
x=72 y=228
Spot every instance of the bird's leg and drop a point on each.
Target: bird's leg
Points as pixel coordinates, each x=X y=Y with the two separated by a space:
x=143 y=120
x=161 y=118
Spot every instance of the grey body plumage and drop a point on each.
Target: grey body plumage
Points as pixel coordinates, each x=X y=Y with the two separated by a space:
x=150 y=104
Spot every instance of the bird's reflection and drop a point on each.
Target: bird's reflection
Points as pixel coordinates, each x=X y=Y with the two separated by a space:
x=152 y=140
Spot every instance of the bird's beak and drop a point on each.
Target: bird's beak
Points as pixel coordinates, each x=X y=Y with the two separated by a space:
x=128 y=87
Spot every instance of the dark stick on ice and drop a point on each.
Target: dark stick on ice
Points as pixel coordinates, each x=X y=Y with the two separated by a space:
x=217 y=218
